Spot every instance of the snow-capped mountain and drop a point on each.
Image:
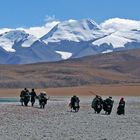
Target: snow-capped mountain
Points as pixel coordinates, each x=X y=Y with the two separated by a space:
x=69 y=39
x=74 y=37
x=19 y=47
x=122 y=32
x=73 y=30
x=8 y=40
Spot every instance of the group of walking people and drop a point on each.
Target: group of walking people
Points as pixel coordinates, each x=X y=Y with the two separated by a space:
x=26 y=96
x=98 y=104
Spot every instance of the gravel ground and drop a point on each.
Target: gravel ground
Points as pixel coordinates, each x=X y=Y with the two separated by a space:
x=56 y=122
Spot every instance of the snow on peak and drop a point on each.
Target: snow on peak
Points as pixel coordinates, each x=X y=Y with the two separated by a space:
x=74 y=30
x=14 y=35
x=114 y=40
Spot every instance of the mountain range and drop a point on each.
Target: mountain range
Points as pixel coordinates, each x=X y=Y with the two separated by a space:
x=69 y=39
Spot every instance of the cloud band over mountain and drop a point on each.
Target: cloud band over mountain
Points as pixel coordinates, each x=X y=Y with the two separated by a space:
x=113 y=24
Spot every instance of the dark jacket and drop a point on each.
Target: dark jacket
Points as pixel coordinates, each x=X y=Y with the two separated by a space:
x=33 y=94
x=23 y=93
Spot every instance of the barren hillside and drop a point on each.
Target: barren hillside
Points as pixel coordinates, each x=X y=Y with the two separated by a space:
x=113 y=68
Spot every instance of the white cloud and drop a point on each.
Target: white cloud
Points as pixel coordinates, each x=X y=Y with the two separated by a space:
x=50 y=18
x=36 y=31
x=40 y=31
x=111 y=25
x=4 y=30
x=116 y=24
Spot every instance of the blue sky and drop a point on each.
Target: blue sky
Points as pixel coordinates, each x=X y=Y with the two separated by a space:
x=27 y=13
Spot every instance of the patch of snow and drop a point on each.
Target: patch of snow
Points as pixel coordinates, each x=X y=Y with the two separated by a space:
x=29 y=41
x=130 y=34
x=64 y=55
x=107 y=51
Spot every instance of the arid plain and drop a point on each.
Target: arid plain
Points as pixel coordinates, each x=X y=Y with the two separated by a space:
x=115 y=73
